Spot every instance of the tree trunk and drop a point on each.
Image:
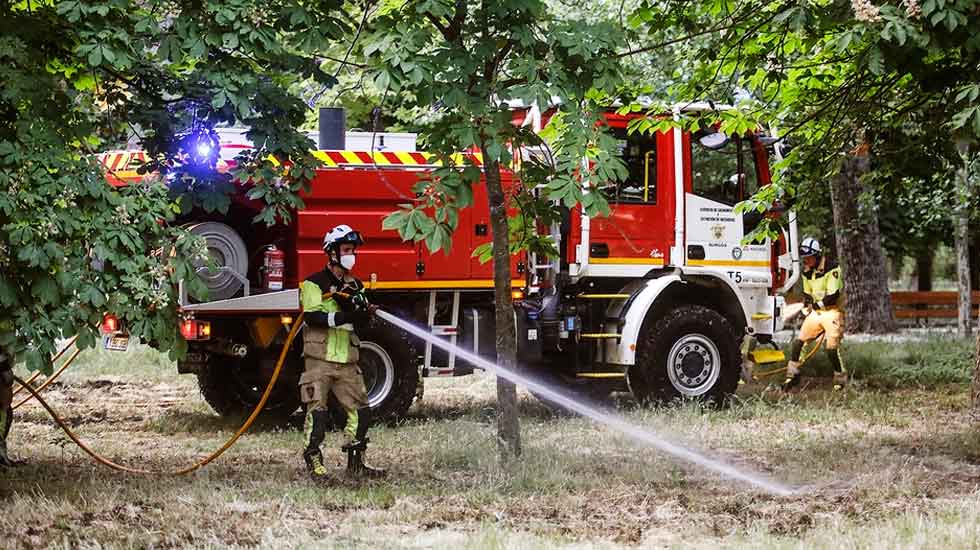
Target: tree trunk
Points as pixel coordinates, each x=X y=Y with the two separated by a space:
x=961 y=230
x=975 y=263
x=923 y=269
x=862 y=259
x=963 y=317
x=976 y=375
x=508 y=425
x=975 y=393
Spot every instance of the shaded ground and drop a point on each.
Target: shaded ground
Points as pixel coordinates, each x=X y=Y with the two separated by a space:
x=875 y=468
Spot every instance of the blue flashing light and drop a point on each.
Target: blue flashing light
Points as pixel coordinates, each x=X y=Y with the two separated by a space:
x=203 y=149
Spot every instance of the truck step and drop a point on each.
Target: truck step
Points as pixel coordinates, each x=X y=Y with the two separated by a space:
x=600 y=335
x=603 y=296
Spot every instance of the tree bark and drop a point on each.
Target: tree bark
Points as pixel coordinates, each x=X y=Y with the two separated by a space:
x=923 y=269
x=963 y=317
x=961 y=223
x=975 y=393
x=975 y=263
x=862 y=259
x=508 y=424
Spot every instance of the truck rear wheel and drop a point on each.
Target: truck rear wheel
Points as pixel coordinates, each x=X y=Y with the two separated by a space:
x=691 y=353
x=233 y=387
x=389 y=364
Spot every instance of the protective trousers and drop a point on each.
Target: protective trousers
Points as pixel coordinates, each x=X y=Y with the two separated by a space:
x=830 y=323
x=320 y=379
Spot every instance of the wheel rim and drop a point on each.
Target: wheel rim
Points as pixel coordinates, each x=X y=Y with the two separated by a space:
x=693 y=365
x=379 y=373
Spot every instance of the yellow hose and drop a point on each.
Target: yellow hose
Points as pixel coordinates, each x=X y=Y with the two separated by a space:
x=49 y=380
x=201 y=463
x=806 y=358
x=53 y=359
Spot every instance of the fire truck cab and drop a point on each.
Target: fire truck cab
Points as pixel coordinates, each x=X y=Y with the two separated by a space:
x=663 y=293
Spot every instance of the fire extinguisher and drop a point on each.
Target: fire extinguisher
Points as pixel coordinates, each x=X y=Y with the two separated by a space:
x=273 y=266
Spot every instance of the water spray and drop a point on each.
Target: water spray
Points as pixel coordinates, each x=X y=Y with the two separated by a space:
x=642 y=435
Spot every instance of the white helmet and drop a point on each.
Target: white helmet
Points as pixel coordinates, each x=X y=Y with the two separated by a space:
x=342 y=234
x=809 y=247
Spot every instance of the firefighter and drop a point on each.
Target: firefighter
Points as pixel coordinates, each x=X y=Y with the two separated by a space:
x=334 y=305
x=6 y=405
x=822 y=292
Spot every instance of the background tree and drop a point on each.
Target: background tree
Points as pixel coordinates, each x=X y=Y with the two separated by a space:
x=461 y=60
x=832 y=74
x=78 y=77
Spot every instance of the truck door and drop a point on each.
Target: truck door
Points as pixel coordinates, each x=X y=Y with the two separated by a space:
x=724 y=171
x=638 y=233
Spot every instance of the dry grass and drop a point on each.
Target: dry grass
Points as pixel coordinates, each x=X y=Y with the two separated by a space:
x=876 y=468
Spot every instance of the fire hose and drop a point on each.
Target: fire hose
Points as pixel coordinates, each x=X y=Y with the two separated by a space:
x=183 y=471
x=806 y=357
x=51 y=378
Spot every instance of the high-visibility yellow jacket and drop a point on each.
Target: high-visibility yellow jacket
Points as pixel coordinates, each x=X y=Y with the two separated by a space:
x=331 y=338
x=824 y=284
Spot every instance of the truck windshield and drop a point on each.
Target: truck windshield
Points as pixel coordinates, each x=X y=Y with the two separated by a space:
x=726 y=174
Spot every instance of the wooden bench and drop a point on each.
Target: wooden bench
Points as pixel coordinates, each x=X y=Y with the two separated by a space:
x=930 y=305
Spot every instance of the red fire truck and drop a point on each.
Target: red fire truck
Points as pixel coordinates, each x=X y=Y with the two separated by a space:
x=656 y=299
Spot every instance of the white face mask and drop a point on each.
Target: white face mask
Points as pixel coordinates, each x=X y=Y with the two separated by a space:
x=347 y=261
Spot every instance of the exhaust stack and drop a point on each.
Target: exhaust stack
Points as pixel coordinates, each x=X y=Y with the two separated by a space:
x=333 y=127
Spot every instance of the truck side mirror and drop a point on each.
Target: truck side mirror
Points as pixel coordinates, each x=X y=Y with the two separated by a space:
x=714 y=140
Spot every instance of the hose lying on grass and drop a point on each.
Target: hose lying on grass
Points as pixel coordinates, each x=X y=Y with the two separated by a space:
x=188 y=469
x=809 y=354
x=50 y=379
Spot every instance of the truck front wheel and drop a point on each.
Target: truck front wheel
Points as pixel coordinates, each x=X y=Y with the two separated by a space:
x=691 y=352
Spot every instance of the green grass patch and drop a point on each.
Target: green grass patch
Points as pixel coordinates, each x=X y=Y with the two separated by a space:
x=139 y=362
x=928 y=363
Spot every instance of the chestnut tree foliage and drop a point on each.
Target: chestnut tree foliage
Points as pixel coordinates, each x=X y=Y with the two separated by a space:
x=78 y=77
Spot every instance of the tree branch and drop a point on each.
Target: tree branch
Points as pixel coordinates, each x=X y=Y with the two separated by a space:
x=443 y=29
x=733 y=22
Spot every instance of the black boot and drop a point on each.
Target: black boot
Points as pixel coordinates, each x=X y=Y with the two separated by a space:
x=315 y=434
x=355 y=449
x=792 y=375
x=314 y=464
x=355 y=461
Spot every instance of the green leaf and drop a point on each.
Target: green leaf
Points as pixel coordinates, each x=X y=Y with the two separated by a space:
x=8 y=293
x=95 y=57
x=382 y=80
x=45 y=290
